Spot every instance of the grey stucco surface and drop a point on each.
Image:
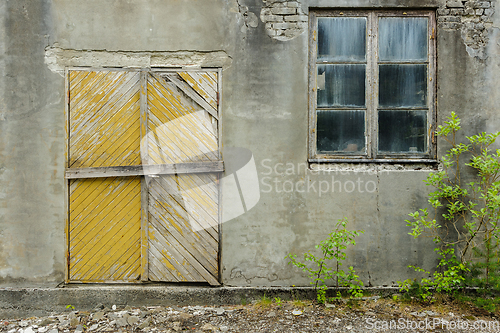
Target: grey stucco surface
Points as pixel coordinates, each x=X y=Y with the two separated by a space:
x=264 y=109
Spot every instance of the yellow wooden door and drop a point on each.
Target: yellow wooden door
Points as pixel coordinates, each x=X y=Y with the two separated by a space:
x=143 y=163
x=183 y=208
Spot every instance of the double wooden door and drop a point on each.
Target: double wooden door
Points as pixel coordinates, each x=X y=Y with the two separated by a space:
x=142 y=172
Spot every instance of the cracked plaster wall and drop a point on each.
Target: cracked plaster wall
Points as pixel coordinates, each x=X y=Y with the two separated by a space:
x=262 y=47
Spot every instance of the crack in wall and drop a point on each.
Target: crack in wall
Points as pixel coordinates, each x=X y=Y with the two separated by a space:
x=236 y=273
x=57 y=59
x=250 y=20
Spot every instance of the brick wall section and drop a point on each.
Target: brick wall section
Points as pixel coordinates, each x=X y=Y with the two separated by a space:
x=284 y=20
x=472 y=18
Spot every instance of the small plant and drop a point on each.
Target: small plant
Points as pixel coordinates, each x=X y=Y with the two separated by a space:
x=70 y=307
x=299 y=303
x=469 y=214
x=265 y=301
x=332 y=248
x=278 y=301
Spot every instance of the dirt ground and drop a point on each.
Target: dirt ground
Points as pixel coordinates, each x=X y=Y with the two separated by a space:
x=372 y=314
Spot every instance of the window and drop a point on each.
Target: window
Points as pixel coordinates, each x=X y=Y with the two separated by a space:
x=372 y=86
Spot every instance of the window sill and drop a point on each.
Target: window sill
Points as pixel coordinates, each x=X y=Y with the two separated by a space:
x=382 y=160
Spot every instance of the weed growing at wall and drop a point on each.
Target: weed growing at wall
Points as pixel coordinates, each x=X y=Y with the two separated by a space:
x=332 y=248
x=467 y=232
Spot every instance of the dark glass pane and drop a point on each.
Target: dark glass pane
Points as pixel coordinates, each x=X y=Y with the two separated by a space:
x=402 y=131
x=341 y=39
x=341 y=131
x=403 y=38
x=403 y=85
x=341 y=85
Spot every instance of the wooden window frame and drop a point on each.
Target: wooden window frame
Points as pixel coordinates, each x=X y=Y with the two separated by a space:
x=372 y=89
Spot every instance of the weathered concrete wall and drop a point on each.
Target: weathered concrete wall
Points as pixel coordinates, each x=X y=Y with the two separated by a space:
x=31 y=148
x=263 y=50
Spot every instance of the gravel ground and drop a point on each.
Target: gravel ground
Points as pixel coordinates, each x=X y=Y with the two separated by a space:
x=373 y=314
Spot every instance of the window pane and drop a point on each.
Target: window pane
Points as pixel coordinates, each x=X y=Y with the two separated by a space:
x=402 y=131
x=341 y=85
x=403 y=38
x=341 y=39
x=341 y=131
x=403 y=85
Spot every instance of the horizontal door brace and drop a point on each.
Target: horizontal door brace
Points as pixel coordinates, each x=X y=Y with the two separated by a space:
x=145 y=170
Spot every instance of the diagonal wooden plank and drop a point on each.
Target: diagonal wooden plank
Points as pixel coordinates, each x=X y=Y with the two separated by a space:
x=193 y=94
x=127 y=258
x=197 y=218
x=210 y=78
x=171 y=258
x=181 y=113
x=112 y=257
x=155 y=273
x=90 y=238
x=168 y=96
x=178 y=105
x=167 y=143
x=80 y=90
x=94 y=97
x=100 y=119
x=114 y=101
x=90 y=152
x=202 y=210
x=199 y=144
x=197 y=82
x=172 y=206
x=179 y=217
x=86 y=265
x=171 y=147
x=192 y=264
x=88 y=228
x=206 y=257
x=214 y=76
x=75 y=77
x=176 y=184
x=107 y=195
x=179 y=258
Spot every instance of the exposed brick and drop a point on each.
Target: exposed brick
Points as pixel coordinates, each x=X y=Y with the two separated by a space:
x=469 y=11
x=283 y=11
x=449 y=19
x=292 y=4
x=291 y=32
x=450 y=25
x=454 y=4
x=489 y=11
x=271 y=32
x=284 y=25
x=484 y=4
x=443 y=11
x=457 y=11
x=296 y=18
x=479 y=11
x=273 y=18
